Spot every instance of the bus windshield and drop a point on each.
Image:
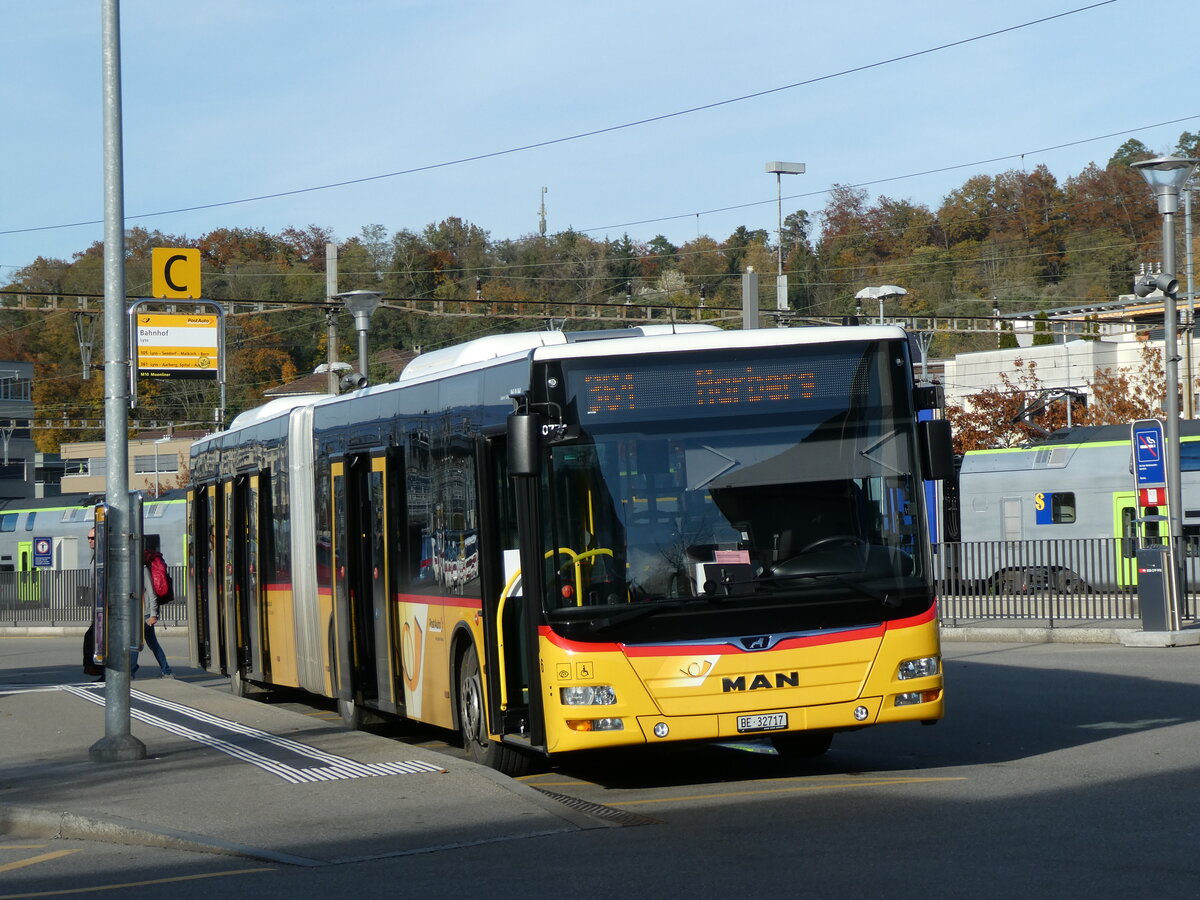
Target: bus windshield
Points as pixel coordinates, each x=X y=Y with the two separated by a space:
x=808 y=499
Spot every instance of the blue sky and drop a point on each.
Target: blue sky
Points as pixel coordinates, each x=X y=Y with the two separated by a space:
x=232 y=99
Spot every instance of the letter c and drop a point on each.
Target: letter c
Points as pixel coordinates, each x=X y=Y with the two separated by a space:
x=171 y=260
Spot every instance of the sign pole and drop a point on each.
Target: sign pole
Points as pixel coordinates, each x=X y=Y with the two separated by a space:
x=1156 y=570
x=118 y=743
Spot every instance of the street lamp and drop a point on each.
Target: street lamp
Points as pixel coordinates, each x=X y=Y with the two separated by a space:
x=1166 y=175
x=779 y=169
x=161 y=440
x=361 y=304
x=881 y=293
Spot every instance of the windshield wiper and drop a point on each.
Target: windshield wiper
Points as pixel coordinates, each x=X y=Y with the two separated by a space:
x=839 y=578
x=633 y=612
x=650 y=608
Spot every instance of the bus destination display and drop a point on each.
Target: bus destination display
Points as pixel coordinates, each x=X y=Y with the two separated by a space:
x=786 y=382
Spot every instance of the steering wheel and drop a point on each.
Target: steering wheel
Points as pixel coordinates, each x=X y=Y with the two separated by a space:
x=833 y=539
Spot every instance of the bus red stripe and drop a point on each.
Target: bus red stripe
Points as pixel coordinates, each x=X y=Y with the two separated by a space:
x=810 y=640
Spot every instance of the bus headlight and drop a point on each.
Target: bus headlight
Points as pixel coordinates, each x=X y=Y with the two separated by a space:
x=919 y=668
x=588 y=695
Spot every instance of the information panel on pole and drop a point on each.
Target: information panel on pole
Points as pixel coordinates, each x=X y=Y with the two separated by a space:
x=170 y=344
x=1149 y=454
x=177 y=345
x=100 y=583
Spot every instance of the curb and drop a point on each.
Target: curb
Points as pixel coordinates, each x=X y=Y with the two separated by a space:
x=30 y=822
x=1014 y=634
x=76 y=630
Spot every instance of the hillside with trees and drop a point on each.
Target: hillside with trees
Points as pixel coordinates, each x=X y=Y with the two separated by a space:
x=1019 y=241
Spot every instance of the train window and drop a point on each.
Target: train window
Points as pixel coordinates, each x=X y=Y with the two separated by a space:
x=1128 y=532
x=1054 y=509
x=29 y=520
x=1062 y=508
x=1189 y=456
x=8 y=522
x=1191 y=540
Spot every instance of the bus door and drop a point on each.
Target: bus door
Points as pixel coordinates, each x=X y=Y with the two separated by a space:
x=244 y=587
x=199 y=568
x=395 y=512
x=509 y=622
x=217 y=540
x=360 y=579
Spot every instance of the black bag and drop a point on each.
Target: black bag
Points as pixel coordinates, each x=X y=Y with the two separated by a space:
x=90 y=666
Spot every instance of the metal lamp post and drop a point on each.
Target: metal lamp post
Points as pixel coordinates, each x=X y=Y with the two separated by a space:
x=880 y=293
x=779 y=169
x=161 y=440
x=361 y=304
x=1166 y=175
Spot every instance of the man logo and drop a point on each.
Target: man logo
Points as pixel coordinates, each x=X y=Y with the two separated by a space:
x=761 y=681
x=762 y=642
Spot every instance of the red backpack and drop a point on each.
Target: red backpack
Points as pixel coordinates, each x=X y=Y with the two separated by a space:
x=160 y=578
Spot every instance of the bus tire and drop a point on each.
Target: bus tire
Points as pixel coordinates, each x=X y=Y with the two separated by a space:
x=802 y=744
x=351 y=713
x=239 y=686
x=472 y=722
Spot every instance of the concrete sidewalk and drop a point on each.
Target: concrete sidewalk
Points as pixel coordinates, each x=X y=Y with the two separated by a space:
x=230 y=775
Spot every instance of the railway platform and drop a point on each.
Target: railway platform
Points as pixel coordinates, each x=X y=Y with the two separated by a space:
x=230 y=775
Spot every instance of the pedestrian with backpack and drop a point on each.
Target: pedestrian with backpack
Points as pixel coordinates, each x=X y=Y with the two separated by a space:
x=156 y=589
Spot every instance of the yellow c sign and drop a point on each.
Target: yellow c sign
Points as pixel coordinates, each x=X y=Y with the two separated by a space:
x=176 y=273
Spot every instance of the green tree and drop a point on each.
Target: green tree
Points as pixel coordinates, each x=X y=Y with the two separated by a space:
x=1129 y=152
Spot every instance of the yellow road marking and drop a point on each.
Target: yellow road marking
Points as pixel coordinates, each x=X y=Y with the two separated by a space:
x=794 y=790
x=132 y=884
x=34 y=860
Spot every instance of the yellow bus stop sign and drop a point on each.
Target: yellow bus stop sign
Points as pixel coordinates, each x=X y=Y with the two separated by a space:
x=175 y=273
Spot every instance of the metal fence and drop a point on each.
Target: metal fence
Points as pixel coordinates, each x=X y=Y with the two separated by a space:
x=64 y=597
x=1053 y=581
x=1056 y=582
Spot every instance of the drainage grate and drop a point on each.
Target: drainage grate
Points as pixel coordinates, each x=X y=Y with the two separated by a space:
x=617 y=816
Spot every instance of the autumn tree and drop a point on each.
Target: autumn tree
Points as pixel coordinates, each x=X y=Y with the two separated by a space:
x=1022 y=409
x=1129 y=392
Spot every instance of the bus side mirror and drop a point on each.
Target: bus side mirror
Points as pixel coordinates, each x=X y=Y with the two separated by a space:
x=937 y=450
x=524 y=444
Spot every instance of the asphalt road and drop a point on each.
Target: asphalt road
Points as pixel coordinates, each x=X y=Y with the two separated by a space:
x=1060 y=770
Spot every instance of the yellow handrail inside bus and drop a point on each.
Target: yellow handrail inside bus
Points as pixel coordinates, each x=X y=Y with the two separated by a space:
x=575 y=558
x=587 y=554
x=516 y=576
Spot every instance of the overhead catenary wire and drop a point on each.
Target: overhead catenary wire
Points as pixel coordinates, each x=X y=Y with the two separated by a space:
x=580 y=135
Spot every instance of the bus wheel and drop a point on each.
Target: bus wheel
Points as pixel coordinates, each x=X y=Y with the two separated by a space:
x=802 y=743
x=351 y=713
x=472 y=721
x=239 y=686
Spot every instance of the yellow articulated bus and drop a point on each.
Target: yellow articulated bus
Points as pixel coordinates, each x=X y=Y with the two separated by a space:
x=560 y=542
